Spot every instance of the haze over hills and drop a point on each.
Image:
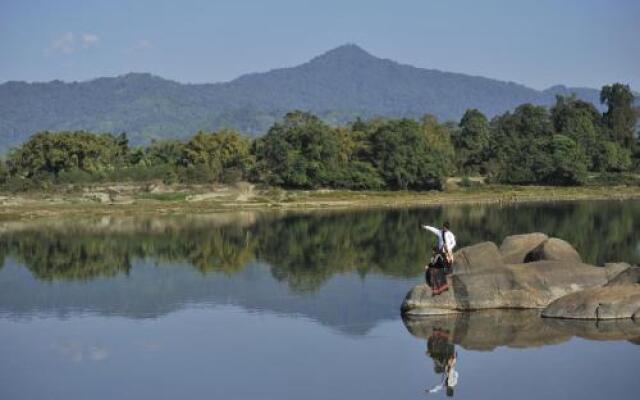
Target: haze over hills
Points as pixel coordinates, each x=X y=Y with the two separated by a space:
x=339 y=85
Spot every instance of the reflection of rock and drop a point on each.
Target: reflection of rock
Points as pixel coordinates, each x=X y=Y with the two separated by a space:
x=609 y=302
x=620 y=329
x=482 y=280
x=487 y=330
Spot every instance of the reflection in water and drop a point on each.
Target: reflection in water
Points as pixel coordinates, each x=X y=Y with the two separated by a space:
x=444 y=358
x=163 y=307
x=488 y=330
x=305 y=250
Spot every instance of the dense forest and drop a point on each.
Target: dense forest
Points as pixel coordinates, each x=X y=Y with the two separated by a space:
x=531 y=145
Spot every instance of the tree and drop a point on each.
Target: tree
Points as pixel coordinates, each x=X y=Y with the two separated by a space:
x=47 y=153
x=300 y=151
x=620 y=117
x=580 y=121
x=519 y=141
x=472 y=142
x=401 y=152
x=568 y=163
x=220 y=156
x=611 y=157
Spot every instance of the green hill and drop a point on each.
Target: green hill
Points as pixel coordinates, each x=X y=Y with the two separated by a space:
x=340 y=85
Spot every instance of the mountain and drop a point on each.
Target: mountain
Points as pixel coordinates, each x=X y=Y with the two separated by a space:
x=339 y=86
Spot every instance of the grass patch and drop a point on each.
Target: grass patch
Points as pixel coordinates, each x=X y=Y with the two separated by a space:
x=168 y=196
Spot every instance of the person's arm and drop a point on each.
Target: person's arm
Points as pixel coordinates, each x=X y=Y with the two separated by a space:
x=433 y=230
x=439 y=386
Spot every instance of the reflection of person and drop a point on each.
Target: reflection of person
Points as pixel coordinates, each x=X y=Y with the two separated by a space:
x=435 y=273
x=444 y=358
x=446 y=241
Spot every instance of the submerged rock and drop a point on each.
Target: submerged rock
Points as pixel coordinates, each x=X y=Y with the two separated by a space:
x=485 y=277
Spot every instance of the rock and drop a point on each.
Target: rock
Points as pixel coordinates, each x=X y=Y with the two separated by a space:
x=531 y=285
x=476 y=258
x=629 y=276
x=609 y=302
x=553 y=249
x=516 y=247
x=614 y=269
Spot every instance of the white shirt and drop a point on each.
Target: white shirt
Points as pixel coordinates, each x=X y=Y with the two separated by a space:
x=449 y=237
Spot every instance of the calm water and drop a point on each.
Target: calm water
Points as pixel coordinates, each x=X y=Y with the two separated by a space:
x=269 y=306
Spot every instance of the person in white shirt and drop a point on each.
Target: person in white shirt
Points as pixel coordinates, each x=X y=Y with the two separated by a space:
x=446 y=240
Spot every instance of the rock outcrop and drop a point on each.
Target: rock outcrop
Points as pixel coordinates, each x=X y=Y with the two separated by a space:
x=608 y=302
x=553 y=249
x=552 y=277
x=515 y=248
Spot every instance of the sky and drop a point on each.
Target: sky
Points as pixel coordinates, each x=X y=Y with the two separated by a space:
x=538 y=43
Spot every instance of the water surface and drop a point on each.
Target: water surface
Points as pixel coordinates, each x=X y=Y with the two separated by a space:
x=247 y=305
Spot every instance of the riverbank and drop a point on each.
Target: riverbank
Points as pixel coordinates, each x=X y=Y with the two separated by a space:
x=156 y=198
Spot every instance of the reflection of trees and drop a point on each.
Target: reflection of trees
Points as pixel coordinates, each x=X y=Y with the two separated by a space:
x=79 y=254
x=305 y=250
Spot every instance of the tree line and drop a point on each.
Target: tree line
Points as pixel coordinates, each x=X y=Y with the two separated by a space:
x=530 y=145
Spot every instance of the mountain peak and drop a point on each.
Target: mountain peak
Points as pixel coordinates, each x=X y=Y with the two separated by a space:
x=346 y=53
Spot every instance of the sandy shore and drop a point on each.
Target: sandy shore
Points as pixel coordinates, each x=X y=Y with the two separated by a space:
x=157 y=199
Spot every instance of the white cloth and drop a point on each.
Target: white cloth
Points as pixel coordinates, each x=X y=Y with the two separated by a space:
x=449 y=238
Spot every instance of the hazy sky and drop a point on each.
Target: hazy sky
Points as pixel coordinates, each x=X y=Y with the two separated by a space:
x=538 y=43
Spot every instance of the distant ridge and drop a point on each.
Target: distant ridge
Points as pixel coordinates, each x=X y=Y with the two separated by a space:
x=339 y=85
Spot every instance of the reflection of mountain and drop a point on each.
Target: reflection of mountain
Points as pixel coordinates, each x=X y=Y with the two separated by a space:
x=346 y=302
x=347 y=269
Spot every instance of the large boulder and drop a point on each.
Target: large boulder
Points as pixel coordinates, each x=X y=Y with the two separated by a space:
x=479 y=257
x=553 y=249
x=515 y=248
x=519 y=286
x=609 y=302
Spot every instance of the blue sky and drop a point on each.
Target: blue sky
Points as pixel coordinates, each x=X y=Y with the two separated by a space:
x=537 y=43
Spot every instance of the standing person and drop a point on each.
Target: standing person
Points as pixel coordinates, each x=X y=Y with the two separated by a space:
x=446 y=241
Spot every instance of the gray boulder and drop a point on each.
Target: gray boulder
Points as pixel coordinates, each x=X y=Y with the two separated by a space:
x=629 y=276
x=479 y=257
x=515 y=248
x=519 y=286
x=615 y=268
x=553 y=249
x=609 y=302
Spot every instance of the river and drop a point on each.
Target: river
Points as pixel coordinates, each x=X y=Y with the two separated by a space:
x=293 y=305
